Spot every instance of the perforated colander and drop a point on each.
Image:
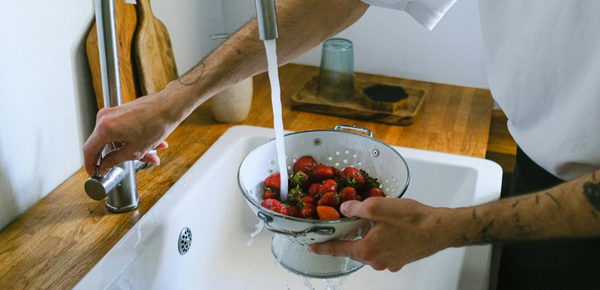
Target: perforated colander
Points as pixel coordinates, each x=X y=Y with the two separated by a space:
x=337 y=148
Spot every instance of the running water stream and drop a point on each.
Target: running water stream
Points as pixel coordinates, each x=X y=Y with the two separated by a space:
x=271 y=49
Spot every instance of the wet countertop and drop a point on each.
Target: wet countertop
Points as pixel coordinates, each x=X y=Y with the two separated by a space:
x=55 y=243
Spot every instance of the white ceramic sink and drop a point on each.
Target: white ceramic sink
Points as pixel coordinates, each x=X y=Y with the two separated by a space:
x=207 y=200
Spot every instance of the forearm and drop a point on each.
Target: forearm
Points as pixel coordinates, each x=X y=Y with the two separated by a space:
x=569 y=210
x=303 y=24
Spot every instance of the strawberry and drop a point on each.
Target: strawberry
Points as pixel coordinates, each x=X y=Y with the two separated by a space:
x=309 y=199
x=294 y=211
x=314 y=189
x=328 y=185
x=305 y=164
x=354 y=175
x=327 y=213
x=274 y=205
x=336 y=172
x=322 y=172
x=374 y=192
x=274 y=181
x=309 y=210
x=269 y=194
x=370 y=182
x=348 y=193
x=329 y=199
x=300 y=179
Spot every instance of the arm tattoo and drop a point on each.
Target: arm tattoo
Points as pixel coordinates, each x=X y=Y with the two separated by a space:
x=188 y=80
x=553 y=199
x=592 y=193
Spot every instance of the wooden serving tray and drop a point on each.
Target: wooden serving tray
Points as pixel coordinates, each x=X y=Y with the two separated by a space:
x=403 y=112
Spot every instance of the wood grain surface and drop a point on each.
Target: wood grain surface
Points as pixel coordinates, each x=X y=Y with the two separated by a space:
x=126 y=19
x=55 y=243
x=401 y=113
x=153 y=51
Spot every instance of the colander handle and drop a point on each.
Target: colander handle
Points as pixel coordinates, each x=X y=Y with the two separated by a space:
x=324 y=231
x=354 y=128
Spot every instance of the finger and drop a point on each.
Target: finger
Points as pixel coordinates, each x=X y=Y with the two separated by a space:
x=162 y=145
x=364 y=209
x=115 y=158
x=91 y=150
x=336 y=249
x=151 y=158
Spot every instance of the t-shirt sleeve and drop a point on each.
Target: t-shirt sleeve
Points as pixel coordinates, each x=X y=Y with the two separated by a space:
x=427 y=12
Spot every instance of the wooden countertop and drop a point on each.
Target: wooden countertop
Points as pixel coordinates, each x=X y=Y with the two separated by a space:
x=59 y=240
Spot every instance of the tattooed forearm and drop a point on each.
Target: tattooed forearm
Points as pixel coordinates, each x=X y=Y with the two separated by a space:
x=592 y=193
x=553 y=199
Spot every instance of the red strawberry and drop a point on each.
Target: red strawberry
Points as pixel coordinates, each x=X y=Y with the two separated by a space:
x=274 y=181
x=268 y=194
x=309 y=210
x=305 y=164
x=322 y=172
x=328 y=185
x=314 y=188
x=374 y=192
x=348 y=193
x=329 y=199
x=353 y=174
x=309 y=199
x=327 y=213
x=336 y=172
x=300 y=179
x=294 y=211
x=274 y=205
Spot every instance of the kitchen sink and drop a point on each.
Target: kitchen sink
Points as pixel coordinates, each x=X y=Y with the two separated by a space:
x=160 y=253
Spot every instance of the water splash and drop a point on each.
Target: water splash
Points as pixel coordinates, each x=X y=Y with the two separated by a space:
x=330 y=284
x=271 y=49
x=308 y=284
x=259 y=226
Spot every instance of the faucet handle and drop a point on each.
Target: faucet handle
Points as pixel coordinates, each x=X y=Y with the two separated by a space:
x=98 y=186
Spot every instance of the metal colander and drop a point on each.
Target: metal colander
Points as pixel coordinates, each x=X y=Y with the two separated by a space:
x=337 y=148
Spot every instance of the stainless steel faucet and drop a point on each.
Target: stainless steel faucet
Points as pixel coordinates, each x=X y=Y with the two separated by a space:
x=119 y=185
x=267 y=19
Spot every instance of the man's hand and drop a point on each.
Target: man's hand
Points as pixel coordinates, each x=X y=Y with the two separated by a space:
x=404 y=231
x=135 y=128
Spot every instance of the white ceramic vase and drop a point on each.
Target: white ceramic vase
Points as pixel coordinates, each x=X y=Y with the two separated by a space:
x=232 y=105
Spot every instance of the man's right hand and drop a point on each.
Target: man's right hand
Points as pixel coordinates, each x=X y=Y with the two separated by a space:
x=135 y=128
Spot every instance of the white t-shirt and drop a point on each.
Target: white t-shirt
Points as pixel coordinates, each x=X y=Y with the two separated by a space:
x=543 y=67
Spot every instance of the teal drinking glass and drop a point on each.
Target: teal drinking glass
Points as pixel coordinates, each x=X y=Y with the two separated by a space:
x=336 y=76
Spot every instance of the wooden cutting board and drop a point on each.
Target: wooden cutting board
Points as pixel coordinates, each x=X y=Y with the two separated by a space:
x=126 y=18
x=153 y=52
x=402 y=113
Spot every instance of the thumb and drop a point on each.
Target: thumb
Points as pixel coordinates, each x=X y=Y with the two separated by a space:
x=353 y=208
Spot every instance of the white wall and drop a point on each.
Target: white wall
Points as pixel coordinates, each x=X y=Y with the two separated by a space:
x=391 y=43
x=47 y=104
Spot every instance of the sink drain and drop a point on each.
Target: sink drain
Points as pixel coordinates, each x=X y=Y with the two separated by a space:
x=185 y=241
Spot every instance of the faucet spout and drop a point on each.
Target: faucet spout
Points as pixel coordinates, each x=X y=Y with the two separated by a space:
x=267 y=19
x=119 y=185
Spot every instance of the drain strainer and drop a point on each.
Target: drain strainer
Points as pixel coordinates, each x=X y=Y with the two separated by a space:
x=185 y=240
